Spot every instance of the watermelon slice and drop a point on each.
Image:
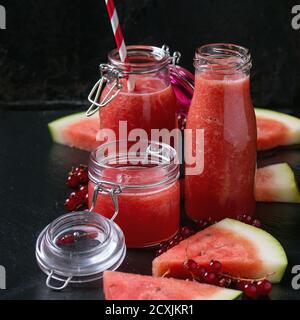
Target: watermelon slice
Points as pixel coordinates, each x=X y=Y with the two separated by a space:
x=128 y=286
x=276 y=183
x=244 y=251
x=276 y=129
x=273 y=129
x=76 y=130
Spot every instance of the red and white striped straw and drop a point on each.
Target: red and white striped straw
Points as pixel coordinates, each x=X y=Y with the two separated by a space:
x=118 y=34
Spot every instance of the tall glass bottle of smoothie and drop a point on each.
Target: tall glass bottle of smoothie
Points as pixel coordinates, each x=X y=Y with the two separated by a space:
x=222 y=107
x=137 y=92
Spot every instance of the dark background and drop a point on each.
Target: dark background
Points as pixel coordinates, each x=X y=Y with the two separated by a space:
x=49 y=57
x=50 y=51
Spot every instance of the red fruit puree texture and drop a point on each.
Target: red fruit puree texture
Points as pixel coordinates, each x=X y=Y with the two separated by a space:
x=152 y=105
x=147 y=215
x=222 y=106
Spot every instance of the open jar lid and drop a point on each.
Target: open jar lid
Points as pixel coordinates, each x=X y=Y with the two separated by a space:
x=78 y=247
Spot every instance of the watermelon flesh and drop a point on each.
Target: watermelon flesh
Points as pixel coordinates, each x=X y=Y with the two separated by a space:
x=76 y=131
x=128 y=286
x=244 y=251
x=276 y=129
x=276 y=183
x=273 y=129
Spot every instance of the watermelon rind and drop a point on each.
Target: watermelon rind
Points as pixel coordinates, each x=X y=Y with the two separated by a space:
x=56 y=127
x=227 y=294
x=269 y=249
x=282 y=185
x=293 y=123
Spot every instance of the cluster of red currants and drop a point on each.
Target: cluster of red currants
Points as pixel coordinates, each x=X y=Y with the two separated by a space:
x=77 y=180
x=249 y=220
x=213 y=275
x=183 y=233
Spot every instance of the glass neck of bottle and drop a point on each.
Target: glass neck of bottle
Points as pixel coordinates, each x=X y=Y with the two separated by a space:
x=222 y=61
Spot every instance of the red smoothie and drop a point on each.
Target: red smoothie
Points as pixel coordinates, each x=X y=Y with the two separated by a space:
x=222 y=106
x=151 y=105
x=149 y=198
x=146 y=218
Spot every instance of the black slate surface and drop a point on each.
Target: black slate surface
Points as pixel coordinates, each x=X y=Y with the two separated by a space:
x=51 y=50
x=32 y=172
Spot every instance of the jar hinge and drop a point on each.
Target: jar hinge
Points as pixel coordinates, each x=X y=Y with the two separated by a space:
x=175 y=58
x=114 y=191
x=107 y=72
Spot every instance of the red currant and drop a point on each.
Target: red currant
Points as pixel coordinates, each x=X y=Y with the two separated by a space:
x=72 y=181
x=250 y=290
x=83 y=177
x=71 y=204
x=86 y=200
x=204 y=223
x=256 y=223
x=160 y=251
x=65 y=240
x=264 y=287
x=81 y=167
x=240 y=284
x=201 y=224
x=163 y=244
x=82 y=192
x=240 y=217
x=178 y=237
x=225 y=282
x=186 y=232
x=248 y=220
x=199 y=271
x=191 y=264
x=215 y=266
x=210 y=278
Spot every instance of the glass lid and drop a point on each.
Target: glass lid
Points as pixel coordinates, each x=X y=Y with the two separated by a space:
x=78 y=247
x=182 y=82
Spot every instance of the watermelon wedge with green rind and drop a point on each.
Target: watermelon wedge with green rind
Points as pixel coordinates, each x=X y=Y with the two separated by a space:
x=244 y=251
x=128 y=286
x=276 y=183
x=273 y=129
x=276 y=129
x=76 y=130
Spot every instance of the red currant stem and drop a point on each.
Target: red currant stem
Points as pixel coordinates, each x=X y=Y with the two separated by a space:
x=166 y=273
x=186 y=250
x=245 y=279
x=91 y=235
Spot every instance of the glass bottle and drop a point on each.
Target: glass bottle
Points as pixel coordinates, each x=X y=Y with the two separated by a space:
x=221 y=106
